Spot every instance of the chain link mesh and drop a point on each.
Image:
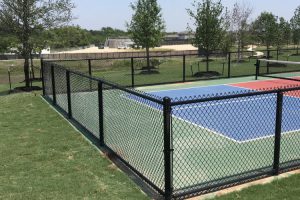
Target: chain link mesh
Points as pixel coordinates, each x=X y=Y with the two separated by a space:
x=61 y=87
x=134 y=130
x=84 y=102
x=113 y=70
x=47 y=76
x=290 y=140
x=196 y=67
x=217 y=142
x=160 y=70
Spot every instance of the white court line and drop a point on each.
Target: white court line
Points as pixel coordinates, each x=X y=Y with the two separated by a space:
x=208 y=129
x=224 y=103
x=201 y=86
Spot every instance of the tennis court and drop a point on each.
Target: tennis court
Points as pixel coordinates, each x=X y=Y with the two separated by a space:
x=229 y=125
x=211 y=135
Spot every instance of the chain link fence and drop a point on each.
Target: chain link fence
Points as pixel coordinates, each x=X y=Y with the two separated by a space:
x=133 y=71
x=186 y=146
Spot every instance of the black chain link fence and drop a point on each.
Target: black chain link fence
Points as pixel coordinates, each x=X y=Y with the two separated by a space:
x=133 y=71
x=186 y=146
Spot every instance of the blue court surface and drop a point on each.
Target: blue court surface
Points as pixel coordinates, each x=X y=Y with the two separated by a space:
x=240 y=119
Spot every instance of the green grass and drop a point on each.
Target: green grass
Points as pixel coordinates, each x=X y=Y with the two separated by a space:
x=16 y=69
x=43 y=157
x=171 y=68
x=283 y=189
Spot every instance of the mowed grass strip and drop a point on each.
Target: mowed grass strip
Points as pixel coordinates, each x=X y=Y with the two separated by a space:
x=281 y=189
x=43 y=157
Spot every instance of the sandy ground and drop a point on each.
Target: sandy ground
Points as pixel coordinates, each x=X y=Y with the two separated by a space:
x=163 y=48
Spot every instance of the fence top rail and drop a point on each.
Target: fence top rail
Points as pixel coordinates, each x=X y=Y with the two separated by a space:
x=233 y=96
x=279 y=61
x=113 y=85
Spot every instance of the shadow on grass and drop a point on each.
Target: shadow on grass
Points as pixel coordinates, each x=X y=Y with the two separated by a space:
x=4 y=93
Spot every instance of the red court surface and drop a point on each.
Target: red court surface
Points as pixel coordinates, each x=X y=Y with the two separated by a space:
x=271 y=84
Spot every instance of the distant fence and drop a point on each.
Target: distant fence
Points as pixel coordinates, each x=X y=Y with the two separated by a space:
x=16 y=56
x=179 y=146
x=68 y=56
x=128 y=69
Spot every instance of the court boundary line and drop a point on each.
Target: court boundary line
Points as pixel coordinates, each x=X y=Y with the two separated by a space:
x=227 y=102
x=206 y=128
x=202 y=86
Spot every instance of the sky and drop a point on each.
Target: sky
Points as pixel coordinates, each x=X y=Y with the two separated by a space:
x=95 y=14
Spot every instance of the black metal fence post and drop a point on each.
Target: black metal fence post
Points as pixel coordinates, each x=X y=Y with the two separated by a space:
x=90 y=67
x=268 y=57
x=53 y=84
x=101 y=113
x=168 y=151
x=229 y=64
x=257 y=67
x=42 y=76
x=132 y=72
x=277 y=53
x=69 y=95
x=184 y=69
x=276 y=167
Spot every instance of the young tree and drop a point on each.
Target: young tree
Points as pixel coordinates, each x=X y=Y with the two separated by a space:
x=147 y=26
x=239 y=25
x=295 y=25
x=265 y=29
x=26 y=17
x=208 y=21
x=286 y=31
x=283 y=33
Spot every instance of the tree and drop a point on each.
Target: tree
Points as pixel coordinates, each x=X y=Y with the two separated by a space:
x=286 y=31
x=24 y=18
x=209 y=26
x=147 y=26
x=265 y=29
x=283 y=33
x=239 y=25
x=295 y=25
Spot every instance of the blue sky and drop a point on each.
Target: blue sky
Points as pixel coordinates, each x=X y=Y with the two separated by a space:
x=94 y=14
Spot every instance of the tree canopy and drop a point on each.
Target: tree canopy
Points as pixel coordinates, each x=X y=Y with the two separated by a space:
x=147 y=26
x=27 y=18
x=265 y=29
x=295 y=25
x=209 y=22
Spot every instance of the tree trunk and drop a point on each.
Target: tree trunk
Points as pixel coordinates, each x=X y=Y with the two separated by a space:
x=32 y=65
x=207 y=61
x=148 y=59
x=26 y=71
x=239 y=51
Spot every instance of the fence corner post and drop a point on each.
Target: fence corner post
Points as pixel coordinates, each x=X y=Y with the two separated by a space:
x=276 y=167
x=90 y=67
x=184 y=68
x=101 y=113
x=168 y=151
x=53 y=84
x=132 y=73
x=229 y=64
x=257 y=67
x=69 y=94
x=42 y=76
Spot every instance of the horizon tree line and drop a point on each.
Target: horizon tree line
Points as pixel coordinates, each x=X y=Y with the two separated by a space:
x=35 y=24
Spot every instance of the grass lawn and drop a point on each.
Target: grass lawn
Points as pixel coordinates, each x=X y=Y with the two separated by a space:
x=283 y=189
x=43 y=157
